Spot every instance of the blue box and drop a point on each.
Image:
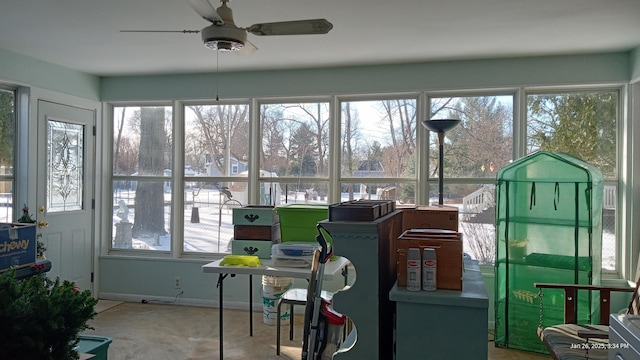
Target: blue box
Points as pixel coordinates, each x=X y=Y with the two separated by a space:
x=17 y=245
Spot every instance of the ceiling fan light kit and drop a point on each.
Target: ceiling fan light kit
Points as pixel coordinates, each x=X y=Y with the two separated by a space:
x=223 y=38
x=224 y=35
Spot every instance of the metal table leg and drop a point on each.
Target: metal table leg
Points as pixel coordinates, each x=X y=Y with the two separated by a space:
x=221 y=277
x=250 y=305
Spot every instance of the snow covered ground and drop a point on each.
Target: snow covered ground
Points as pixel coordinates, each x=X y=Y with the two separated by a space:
x=214 y=231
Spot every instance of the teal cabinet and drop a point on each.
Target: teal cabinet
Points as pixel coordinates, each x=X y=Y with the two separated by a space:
x=371 y=248
x=443 y=324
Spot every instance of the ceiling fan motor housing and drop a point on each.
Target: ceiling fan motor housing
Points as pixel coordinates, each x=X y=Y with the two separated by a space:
x=224 y=38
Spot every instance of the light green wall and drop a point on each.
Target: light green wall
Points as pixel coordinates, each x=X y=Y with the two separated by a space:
x=155 y=278
x=477 y=74
x=131 y=278
x=634 y=59
x=135 y=279
x=24 y=70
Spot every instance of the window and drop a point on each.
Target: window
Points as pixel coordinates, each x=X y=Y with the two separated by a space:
x=7 y=138
x=142 y=177
x=583 y=124
x=378 y=145
x=295 y=149
x=215 y=174
x=374 y=152
x=473 y=152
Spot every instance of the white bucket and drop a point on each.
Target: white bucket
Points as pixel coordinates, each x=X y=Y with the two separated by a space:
x=272 y=289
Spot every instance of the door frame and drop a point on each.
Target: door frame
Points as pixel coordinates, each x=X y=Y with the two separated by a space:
x=39 y=129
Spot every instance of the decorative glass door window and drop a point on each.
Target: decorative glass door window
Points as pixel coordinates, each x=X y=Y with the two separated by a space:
x=65 y=148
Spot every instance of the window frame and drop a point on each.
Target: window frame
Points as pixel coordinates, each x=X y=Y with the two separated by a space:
x=623 y=155
x=422 y=179
x=338 y=179
x=19 y=121
x=162 y=178
x=179 y=242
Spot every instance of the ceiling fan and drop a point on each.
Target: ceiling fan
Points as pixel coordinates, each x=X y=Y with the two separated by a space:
x=224 y=35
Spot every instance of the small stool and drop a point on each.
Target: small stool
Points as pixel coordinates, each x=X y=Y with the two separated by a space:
x=294 y=296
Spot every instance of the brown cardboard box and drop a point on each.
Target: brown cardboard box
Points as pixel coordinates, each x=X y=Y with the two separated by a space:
x=448 y=246
x=430 y=217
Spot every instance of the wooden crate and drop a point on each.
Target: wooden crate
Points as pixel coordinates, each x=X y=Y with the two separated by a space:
x=360 y=210
x=253 y=232
x=448 y=246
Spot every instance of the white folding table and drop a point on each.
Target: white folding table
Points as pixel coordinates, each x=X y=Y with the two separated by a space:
x=332 y=268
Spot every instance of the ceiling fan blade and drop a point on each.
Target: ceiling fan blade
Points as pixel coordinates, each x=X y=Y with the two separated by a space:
x=163 y=31
x=298 y=27
x=206 y=11
x=249 y=48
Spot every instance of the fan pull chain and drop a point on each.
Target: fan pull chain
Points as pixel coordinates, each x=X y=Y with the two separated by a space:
x=217 y=77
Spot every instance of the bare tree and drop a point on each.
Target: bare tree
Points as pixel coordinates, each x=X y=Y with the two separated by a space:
x=347 y=138
x=275 y=154
x=318 y=122
x=220 y=131
x=400 y=118
x=149 y=203
x=116 y=146
x=294 y=136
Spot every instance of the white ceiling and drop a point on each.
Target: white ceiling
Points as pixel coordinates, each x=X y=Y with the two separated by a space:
x=84 y=34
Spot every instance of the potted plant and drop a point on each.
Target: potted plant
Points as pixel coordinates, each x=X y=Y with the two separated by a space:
x=28 y=219
x=41 y=318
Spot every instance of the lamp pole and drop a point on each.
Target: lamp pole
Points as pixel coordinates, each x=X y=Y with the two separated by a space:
x=440 y=126
x=440 y=168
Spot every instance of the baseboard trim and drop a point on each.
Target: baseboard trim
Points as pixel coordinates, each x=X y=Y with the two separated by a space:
x=235 y=305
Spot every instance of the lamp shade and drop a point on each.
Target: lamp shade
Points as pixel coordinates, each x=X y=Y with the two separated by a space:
x=440 y=125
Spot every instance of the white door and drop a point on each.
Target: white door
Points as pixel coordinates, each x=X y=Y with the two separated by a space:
x=65 y=190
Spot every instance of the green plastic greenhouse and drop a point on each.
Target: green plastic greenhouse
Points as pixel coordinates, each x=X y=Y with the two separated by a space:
x=548 y=229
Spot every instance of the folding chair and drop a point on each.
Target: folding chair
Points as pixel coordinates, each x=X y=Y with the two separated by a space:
x=298 y=296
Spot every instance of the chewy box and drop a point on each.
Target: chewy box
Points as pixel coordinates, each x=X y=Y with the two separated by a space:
x=17 y=245
x=298 y=221
x=259 y=248
x=95 y=345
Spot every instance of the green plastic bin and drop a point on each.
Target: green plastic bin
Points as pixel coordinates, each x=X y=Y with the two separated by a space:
x=95 y=345
x=298 y=221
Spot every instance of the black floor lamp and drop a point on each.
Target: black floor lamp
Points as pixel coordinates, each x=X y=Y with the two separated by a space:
x=440 y=126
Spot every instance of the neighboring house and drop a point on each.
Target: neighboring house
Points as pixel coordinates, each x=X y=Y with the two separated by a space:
x=270 y=191
x=131 y=185
x=236 y=167
x=369 y=168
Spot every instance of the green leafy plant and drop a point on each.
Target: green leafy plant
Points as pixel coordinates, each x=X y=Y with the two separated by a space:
x=26 y=217
x=41 y=318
